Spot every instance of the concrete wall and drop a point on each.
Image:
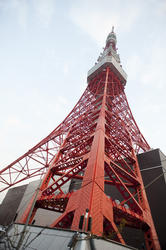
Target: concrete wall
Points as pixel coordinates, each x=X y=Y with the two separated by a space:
x=30 y=189
x=43 y=217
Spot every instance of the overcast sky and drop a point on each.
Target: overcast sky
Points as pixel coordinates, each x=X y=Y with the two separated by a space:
x=46 y=49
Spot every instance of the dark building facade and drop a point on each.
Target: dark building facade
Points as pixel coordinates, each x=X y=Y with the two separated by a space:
x=153 y=170
x=10 y=204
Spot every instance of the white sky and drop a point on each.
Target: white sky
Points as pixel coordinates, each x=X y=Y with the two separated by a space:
x=46 y=49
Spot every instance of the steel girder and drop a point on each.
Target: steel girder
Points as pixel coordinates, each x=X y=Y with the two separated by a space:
x=96 y=144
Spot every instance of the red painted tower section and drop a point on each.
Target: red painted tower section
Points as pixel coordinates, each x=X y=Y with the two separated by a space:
x=96 y=144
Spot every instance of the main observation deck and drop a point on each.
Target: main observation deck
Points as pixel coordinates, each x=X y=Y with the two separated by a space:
x=108 y=61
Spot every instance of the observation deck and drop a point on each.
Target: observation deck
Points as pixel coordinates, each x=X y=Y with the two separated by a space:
x=108 y=61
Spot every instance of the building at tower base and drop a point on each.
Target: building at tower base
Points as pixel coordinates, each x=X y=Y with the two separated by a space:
x=42 y=238
x=153 y=170
x=152 y=165
x=10 y=204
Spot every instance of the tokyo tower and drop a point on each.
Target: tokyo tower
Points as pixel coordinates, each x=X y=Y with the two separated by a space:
x=94 y=150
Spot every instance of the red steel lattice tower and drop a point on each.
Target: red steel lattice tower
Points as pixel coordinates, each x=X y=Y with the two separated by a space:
x=95 y=146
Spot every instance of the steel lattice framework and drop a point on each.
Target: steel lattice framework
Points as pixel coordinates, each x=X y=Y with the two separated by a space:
x=97 y=145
